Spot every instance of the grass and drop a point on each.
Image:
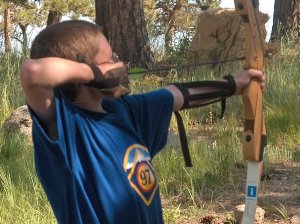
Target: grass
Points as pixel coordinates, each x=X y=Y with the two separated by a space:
x=22 y=199
x=215 y=145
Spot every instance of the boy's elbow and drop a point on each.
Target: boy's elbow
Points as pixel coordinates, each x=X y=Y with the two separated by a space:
x=29 y=73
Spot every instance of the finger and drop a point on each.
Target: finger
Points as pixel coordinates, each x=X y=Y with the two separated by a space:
x=253 y=73
x=109 y=66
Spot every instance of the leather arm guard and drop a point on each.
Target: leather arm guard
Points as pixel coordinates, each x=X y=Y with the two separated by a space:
x=114 y=82
x=219 y=92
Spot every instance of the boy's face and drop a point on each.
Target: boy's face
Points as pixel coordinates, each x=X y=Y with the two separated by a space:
x=105 y=54
x=111 y=67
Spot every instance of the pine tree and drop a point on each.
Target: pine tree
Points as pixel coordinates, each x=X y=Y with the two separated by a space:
x=286 y=20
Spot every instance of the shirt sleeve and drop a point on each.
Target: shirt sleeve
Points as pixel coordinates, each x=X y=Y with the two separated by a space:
x=151 y=114
x=65 y=124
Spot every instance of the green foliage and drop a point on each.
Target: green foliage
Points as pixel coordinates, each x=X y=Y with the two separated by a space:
x=209 y=3
x=178 y=55
x=18 y=2
x=59 y=5
x=281 y=210
x=282 y=96
x=28 y=14
x=72 y=8
x=22 y=199
x=174 y=20
x=34 y=14
x=10 y=87
x=80 y=8
x=213 y=161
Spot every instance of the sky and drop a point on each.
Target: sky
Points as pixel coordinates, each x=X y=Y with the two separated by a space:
x=265 y=6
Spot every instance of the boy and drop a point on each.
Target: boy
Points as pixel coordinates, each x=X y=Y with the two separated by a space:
x=94 y=143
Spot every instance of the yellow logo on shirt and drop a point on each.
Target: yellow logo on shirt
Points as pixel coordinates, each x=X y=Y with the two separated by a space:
x=140 y=172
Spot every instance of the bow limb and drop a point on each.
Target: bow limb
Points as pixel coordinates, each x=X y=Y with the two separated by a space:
x=254 y=135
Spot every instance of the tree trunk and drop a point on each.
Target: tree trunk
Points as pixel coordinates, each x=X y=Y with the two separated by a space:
x=286 y=19
x=100 y=15
x=25 y=40
x=54 y=16
x=7 y=30
x=124 y=26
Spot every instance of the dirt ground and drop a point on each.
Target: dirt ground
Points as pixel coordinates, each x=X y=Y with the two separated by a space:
x=279 y=197
x=283 y=189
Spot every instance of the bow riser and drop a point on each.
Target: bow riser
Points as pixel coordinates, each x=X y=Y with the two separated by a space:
x=254 y=135
x=252 y=95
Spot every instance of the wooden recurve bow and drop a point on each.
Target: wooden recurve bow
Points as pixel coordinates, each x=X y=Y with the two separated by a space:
x=254 y=134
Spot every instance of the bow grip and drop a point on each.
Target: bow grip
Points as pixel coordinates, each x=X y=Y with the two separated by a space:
x=253 y=124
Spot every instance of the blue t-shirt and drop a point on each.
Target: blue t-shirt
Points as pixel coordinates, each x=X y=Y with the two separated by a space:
x=99 y=168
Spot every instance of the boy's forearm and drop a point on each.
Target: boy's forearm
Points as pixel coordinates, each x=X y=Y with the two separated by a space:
x=52 y=72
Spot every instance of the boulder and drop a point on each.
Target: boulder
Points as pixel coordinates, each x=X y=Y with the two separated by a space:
x=19 y=122
x=259 y=215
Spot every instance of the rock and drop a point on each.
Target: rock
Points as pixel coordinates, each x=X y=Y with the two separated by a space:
x=19 y=122
x=173 y=139
x=295 y=213
x=259 y=216
x=295 y=219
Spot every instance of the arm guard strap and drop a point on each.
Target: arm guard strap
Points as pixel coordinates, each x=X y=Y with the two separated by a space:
x=221 y=90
